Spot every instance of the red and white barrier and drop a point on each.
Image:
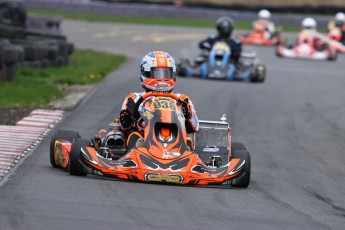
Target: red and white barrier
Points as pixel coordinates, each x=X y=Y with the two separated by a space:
x=16 y=141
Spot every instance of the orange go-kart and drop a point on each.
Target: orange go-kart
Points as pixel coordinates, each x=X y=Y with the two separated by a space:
x=258 y=38
x=165 y=153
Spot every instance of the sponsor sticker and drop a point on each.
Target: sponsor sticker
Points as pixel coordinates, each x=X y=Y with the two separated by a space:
x=211 y=149
x=148 y=114
x=167 y=154
x=156 y=177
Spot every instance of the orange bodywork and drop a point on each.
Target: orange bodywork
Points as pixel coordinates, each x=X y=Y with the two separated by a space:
x=258 y=38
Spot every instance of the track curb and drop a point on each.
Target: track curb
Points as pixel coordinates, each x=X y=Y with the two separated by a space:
x=17 y=141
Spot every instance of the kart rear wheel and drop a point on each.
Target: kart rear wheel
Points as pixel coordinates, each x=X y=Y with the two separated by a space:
x=181 y=67
x=259 y=74
x=243 y=180
x=333 y=55
x=237 y=146
x=74 y=166
x=60 y=134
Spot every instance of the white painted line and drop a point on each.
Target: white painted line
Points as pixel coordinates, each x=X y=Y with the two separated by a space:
x=20 y=128
x=9 y=157
x=5 y=163
x=15 y=148
x=32 y=124
x=18 y=138
x=37 y=119
x=15 y=136
x=9 y=153
x=3 y=159
x=46 y=114
x=47 y=117
x=5 y=167
x=14 y=142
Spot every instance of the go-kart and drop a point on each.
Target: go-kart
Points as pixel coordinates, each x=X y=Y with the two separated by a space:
x=333 y=39
x=307 y=51
x=165 y=154
x=216 y=65
x=259 y=38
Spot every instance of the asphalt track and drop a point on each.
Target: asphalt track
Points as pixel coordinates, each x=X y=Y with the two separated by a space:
x=293 y=125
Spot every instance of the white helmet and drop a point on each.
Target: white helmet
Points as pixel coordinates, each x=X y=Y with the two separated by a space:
x=309 y=23
x=340 y=16
x=264 y=14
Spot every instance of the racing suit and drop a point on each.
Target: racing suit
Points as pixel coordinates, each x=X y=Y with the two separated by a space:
x=337 y=24
x=234 y=44
x=130 y=128
x=313 y=38
x=264 y=26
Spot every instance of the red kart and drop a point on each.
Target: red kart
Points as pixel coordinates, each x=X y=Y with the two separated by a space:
x=306 y=51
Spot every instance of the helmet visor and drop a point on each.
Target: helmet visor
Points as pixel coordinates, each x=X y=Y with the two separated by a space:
x=162 y=73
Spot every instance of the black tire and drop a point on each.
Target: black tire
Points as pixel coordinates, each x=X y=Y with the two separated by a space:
x=258 y=74
x=53 y=52
x=244 y=179
x=74 y=166
x=237 y=146
x=12 y=54
x=11 y=70
x=181 y=67
x=60 y=134
x=333 y=56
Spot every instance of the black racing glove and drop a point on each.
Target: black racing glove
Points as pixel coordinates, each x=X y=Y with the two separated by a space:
x=186 y=110
x=126 y=120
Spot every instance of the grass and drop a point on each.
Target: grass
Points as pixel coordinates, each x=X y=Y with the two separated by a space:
x=203 y=23
x=37 y=87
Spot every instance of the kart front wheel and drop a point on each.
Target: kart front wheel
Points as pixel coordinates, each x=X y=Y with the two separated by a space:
x=244 y=179
x=64 y=135
x=259 y=74
x=74 y=166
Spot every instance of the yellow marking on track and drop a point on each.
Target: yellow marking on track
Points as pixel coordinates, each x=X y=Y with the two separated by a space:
x=106 y=35
x=158 y=38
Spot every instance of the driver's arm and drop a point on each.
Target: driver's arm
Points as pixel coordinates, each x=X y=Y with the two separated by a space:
x=128 y=111
x=192 y=122
x=206 y=44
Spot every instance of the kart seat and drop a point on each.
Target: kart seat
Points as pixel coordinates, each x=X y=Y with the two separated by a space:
x=166 y=132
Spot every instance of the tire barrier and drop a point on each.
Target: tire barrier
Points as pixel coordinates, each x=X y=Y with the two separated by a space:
x=32 y=41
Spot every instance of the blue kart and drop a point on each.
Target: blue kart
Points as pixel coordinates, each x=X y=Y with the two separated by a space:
x=216 y=65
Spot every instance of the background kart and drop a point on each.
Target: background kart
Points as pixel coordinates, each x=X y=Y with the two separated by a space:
x=333 y=38
x=257 y=38
x=306 y=51
x=165 y=154
x=216 y=65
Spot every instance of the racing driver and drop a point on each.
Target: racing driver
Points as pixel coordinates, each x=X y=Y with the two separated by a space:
x=264 y=25
x=224 y=26
x=157 y=74
x=310 y=35
x=338 y=22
